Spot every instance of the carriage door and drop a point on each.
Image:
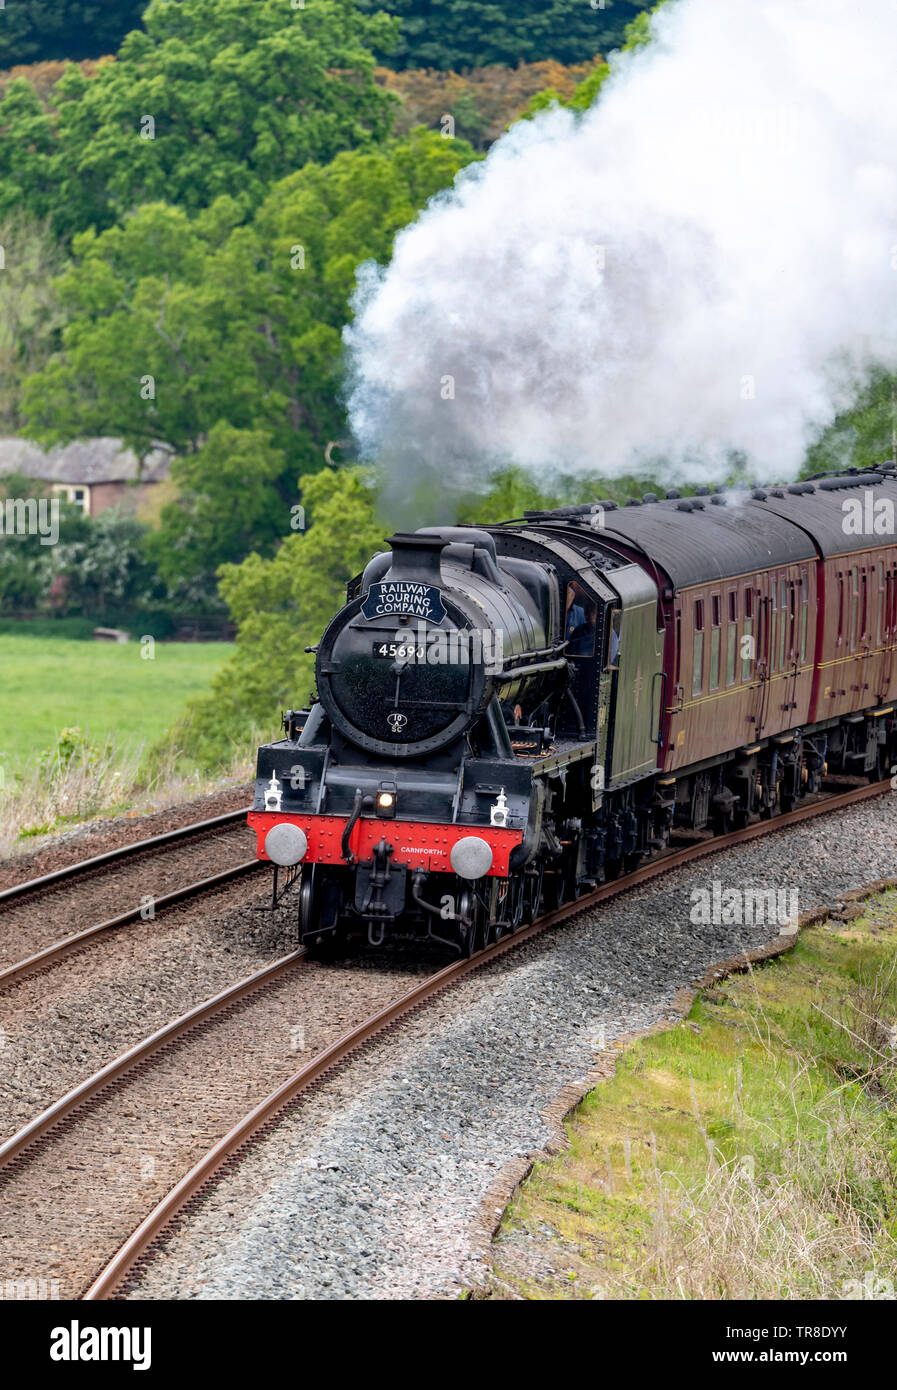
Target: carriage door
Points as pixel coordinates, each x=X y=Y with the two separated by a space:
x=763 y=603
x=790 y=593
x=856 y=664
x=887 y=599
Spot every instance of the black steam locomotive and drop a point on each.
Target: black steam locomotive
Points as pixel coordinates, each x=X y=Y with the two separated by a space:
x=507 y=715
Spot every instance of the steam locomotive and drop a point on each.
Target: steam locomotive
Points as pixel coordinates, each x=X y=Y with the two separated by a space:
x=508 y=715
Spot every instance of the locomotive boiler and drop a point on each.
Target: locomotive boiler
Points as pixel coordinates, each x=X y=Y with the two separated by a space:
x=507 y=715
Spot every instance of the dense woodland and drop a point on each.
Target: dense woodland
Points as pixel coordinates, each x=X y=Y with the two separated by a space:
x=182 y=210
x=432 y=33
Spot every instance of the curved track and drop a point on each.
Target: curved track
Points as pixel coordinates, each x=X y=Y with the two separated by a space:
x=139 y=1246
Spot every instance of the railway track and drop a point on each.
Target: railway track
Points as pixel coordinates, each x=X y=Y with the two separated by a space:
x=66 y=945
x=123 y=852
x=30 y=911
x=57 y=1123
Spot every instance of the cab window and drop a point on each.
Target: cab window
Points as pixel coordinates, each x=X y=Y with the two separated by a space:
x=580 y=621
x=612 y=661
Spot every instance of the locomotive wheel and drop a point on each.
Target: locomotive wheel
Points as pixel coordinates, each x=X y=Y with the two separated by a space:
x=319 y=911
x=469 y=932
x=306 y=902
x=560 y=882
x=771 y=805
x=881 y=767
x=554 y=893
x=532 y=892
x=516 y=901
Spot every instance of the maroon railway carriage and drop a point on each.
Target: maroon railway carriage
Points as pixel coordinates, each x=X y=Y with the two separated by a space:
x=685 y=662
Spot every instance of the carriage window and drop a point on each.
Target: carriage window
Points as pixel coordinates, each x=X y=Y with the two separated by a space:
x=804 y=606
x=854 y=603
x=731 y=637
x=714 y=641
x=879 y=607
x=581 y=622
x=864 y=610
x=697 y=677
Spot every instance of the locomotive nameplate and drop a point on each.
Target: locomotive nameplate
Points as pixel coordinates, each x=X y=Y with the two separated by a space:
x=403 y=596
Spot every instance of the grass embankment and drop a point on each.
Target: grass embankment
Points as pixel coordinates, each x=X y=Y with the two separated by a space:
x=82 y=731
x=748 y=1152
x=106 y=689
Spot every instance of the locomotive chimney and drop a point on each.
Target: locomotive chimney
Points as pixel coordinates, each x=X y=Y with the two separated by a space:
x=416 y=557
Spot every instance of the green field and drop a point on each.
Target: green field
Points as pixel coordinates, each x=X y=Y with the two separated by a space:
x=51 y=683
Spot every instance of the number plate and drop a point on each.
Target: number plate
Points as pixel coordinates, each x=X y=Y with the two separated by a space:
x=400 y=651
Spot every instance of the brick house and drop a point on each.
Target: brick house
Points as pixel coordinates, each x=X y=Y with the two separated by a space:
x=93 y=473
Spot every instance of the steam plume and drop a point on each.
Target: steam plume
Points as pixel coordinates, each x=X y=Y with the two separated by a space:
x=704 y=262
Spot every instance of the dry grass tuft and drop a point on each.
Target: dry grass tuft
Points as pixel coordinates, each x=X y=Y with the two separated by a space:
x=77 y=781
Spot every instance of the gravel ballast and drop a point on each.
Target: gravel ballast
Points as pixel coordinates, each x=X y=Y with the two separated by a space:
x=45 y=915
x=98 y=836
x=372 y=1187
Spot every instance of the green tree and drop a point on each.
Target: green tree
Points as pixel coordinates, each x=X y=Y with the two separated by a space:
x=179 y=326
x=31 y=317
x=27 y=155
x=281 y=606
x=104 y=565
x=29 y=568
x=472 y=33
x=146 y=354
x=232 y=501
x=636 y=34
x=32 y=31
x=865 y=434
x=216 y=97
x=26 y=572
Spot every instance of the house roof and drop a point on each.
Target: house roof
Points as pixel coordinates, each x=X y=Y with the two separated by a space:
x=86 y=461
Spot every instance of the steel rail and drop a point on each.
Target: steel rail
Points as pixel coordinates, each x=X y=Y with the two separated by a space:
x=202 y=1174
x=186 y=832
x=67 y=944
x=40 y=1127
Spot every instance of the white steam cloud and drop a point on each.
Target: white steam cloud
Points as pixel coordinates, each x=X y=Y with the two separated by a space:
x=704 y=262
